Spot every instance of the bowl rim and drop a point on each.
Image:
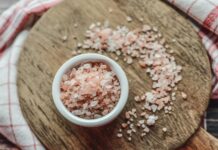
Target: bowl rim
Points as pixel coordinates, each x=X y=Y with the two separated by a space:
x=90 y=57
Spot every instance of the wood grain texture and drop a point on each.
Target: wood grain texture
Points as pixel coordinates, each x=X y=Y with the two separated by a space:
x=45 y=51
x=201 y=140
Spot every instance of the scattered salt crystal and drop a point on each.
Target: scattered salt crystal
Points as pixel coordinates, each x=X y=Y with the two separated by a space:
x=143 y=114
x=143 y=126
x=79 y=45
x=119 y=135
x=106 y=24
x=128 y=18
x=134 y=130
x=129 y=138
x=155 y=29
x=173 y=40
x=141 y=121
x=133 y=110
x=151 y=120
x=171 y=51
x=184 y=96
x=79 y=51
x=166 y=46
x=149 y=97
x=141 y=19
x=143 y=134
x=162 y=41
x=147 y=106
x=148 y=70
x=143 y=97
x=142 y=64
x=178 y=78
x=118 y=53
x=129 y=60
x=164 y=129
x=131 y=126
x=92 y=26
x=110 y=10
x=64 y=38
x=124 y=125
x=74 y=52
x=146 y=129
x=149 y=46
x=129 y=131
x=137 y=98
x=98 y=24
x=154 y=108
x=127 y=115
x=146 y=28
x=75 y=25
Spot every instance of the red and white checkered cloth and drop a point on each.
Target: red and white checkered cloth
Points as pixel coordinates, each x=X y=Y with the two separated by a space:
x=205 y=12
x=14 y=23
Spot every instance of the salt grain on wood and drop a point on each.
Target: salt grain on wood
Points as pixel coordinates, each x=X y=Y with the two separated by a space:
x=184 y=96
x=152 y=51
x=110 y=10
x=119 y=135
x=151 y=120
x=164 y=129
x=128 y=18
x=141 y=19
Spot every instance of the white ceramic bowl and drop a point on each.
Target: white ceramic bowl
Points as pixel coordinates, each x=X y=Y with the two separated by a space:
x=90 y=57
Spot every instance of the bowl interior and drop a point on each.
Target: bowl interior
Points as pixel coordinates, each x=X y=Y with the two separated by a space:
x=83 y=58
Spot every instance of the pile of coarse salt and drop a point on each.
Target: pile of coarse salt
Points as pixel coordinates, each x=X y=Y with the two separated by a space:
x=148 y=47
x=90 y=90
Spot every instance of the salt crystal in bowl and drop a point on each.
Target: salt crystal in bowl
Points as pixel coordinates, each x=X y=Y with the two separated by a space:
x=83 y=58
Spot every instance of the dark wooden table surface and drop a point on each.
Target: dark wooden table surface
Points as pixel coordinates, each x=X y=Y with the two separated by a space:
x=212 y=113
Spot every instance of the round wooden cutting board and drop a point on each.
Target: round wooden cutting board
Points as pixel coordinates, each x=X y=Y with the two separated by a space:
x=45 y=51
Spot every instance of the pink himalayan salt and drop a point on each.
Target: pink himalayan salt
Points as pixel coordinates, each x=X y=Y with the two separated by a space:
x=184 y=96
x=151 y=120
x=148 y=46
x=164 y=129
x=90 y=90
